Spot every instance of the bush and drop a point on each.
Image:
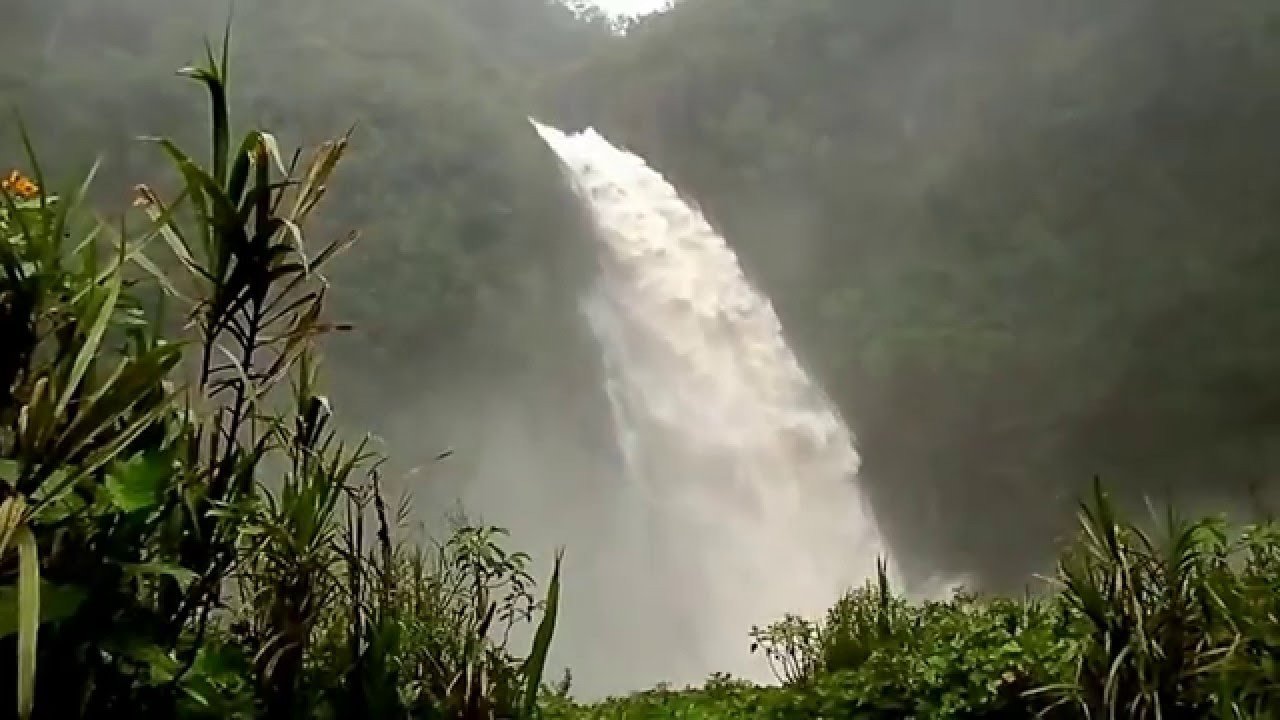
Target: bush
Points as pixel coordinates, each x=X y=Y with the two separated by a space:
x=1184 y=626
x=877 y=656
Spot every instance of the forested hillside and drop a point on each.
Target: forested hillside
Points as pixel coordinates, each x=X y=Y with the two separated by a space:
x=445 y=172
x=1023 y=244
x=463 y=299
x=1020 y=246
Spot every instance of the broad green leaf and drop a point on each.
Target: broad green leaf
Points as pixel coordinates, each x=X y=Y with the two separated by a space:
x=110 y=405
x=221 y=660
x=161 y=664
x=10 y=471
x=136 y=484
x=107 y=453
x=57 y=602
x=181 y=575
x=61 y=508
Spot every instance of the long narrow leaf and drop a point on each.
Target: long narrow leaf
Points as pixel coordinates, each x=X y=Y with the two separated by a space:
x=63 y=209
x=107 y=453
x=219 y=113
x=194 y=189
x=537 y=662
x=28 y=619
x=36 y=171
x=12 y=516
x=90 y=347
x=169 y=230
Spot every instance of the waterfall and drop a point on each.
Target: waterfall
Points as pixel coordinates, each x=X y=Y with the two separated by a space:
x=742 y=495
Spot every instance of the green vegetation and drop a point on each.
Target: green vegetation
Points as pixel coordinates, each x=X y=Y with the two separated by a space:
x=1177 y=625
x=171 y=545
x=185 y=533
x=462 y=297
x=1019 y=248
x=472 y=254
x=182 y=533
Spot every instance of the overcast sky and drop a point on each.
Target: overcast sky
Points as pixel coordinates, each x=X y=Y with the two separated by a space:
x=631 y=7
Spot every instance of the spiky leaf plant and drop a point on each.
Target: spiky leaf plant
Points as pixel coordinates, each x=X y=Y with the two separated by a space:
x=127 y=484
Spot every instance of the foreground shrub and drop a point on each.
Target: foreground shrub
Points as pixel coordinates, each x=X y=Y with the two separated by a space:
x=876 y=656
x=1181 y=624
x=180 y=534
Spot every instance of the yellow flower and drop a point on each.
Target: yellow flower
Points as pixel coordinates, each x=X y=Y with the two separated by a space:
x=20 y=186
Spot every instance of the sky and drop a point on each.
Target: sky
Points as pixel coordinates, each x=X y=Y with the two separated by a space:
x=631 y=7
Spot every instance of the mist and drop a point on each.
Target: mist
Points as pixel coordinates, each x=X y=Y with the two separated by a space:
x=1019 y=245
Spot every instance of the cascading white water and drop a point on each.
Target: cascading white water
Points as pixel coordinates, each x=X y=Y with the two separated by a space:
x=742 y=473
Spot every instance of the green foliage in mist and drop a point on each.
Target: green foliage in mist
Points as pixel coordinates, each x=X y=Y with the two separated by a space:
x=1177 y=622
x=474 y=252
x=183 y=532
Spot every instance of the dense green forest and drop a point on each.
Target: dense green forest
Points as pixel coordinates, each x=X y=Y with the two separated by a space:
x=1021 y=246
x=438 y=116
